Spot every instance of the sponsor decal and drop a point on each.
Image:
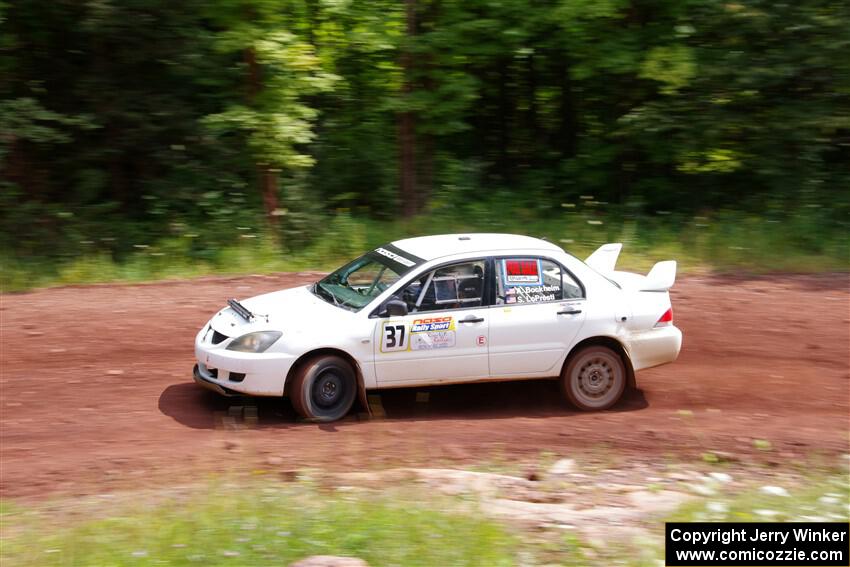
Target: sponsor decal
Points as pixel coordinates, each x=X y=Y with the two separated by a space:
x=396 y=257
x=432 y=324
x=422 y=334
x=432 y=333
x=432 y=340
x=522 y=272
x=481 y=340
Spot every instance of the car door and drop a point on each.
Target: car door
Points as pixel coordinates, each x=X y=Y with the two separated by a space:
x=444 y=336
x=537 y=313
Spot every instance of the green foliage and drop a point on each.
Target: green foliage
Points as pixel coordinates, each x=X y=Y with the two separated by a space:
x=673 y=66
x=280 y=71
x=26 y=119
x=128 y=124
x=727 y=242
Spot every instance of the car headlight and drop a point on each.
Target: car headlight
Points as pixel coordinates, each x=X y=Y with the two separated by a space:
x=255 y=342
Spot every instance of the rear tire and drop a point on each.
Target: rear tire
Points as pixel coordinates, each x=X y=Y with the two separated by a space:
x=594 y=379
x=323 y=388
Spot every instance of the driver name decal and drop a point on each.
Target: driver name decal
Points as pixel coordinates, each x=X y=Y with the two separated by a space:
x=531 y=294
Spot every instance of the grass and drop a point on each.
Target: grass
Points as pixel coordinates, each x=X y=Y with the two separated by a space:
x=239 y=525
x=261 y=523
x=724 y=242
x=823 y=497
x=820 y=496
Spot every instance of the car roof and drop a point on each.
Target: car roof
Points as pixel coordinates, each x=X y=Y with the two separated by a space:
x=439 y=245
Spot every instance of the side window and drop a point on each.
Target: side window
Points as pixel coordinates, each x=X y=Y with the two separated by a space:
x=571 y=288
x=449 y=287
x=533 y=280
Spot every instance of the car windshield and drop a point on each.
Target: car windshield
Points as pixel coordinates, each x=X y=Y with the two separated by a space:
x=356 y=284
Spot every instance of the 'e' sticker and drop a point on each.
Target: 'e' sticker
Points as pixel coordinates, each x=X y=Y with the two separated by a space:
x=481 y=340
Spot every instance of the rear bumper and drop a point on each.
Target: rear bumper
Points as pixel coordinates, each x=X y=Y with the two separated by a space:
x=655 y=347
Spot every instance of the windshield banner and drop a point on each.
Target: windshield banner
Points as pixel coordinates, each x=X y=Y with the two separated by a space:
x=399 y=260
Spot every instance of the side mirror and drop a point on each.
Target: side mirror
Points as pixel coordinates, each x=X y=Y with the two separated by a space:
x=395 y=308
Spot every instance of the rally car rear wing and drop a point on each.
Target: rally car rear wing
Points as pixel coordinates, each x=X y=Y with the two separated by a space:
x=605 y=257
x=661 y=277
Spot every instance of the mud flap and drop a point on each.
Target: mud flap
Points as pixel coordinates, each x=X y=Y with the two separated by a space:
x=361 y=393
x=631 y=383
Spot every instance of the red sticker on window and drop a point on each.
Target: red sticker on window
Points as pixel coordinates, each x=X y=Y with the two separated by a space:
x=522 y=272
x=521 y=267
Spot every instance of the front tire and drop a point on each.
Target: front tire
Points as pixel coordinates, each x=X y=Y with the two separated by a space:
x=323 y=389
x=594 y=379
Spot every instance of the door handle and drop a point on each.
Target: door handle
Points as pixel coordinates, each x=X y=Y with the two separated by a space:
x=569 y=312
x=471 y=320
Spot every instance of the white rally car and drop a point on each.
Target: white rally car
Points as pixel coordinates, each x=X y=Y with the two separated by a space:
x=445 y=309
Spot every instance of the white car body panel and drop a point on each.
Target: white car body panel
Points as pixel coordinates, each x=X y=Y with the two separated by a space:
x=530 y=340
x=418 y=360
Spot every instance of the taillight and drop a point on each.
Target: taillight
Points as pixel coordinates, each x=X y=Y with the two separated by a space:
x=666 y=319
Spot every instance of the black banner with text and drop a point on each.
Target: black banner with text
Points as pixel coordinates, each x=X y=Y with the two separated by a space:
x=764 y=544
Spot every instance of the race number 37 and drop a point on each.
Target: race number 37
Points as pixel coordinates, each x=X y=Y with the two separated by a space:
x=395 y=337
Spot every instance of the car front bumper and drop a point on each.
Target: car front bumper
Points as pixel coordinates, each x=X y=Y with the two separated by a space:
x=232 y=373
x=202 y=378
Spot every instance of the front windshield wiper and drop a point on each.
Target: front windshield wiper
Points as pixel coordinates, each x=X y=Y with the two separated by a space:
x=323 y=292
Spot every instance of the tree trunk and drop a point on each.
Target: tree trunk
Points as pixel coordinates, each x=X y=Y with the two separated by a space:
x=504 y=167
x=568 y=129
x=269 y=188
x=407 y=123
x=267 y=177
x=426 y=173
x=254 y=82
x=532 y=154
x=407 y=195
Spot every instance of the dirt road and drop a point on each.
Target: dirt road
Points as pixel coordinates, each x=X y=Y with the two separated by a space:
x=97 y=392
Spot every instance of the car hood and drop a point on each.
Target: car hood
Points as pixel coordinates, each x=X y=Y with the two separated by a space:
x=279 y=310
